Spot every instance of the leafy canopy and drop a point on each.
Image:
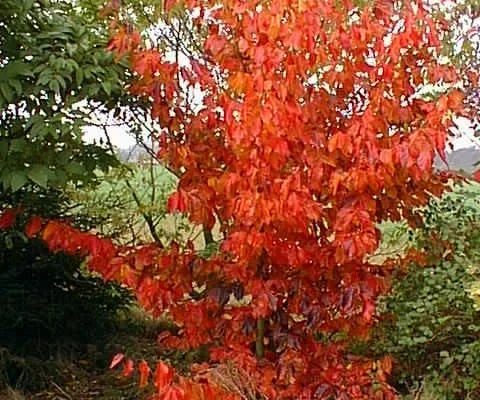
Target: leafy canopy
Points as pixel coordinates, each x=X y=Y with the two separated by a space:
x=54 y=71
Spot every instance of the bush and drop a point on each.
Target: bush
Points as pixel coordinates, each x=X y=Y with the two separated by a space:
x=51 y=297
x=432 y=326
x=52 y=307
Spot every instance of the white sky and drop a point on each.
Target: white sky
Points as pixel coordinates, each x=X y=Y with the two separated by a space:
x=118 y=135
x=121 y=138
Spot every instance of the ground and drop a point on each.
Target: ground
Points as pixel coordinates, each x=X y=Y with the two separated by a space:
x=88 y=377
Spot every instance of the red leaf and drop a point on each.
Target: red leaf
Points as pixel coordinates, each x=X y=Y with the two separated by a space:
x=144 y=370
x=163 y=376
x=243 y=45
x=368 y=309
x=33 y=227
x=174 y=393
x=128 y=368
x=8 y=218
x=476 y=175
x=169 y=4
x=124 y=41
x=201 y=71
x=176 y=202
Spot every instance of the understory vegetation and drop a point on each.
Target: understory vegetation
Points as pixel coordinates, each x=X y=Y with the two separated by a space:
x=430 y=323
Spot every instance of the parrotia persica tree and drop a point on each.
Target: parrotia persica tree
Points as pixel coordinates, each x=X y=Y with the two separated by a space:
x=310 y=130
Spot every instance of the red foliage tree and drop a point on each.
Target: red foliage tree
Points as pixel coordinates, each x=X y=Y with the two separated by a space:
x=311 y=131
x=476 y=175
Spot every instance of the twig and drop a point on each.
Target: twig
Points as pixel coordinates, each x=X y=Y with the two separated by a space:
x=62 y=391
x=148 y=218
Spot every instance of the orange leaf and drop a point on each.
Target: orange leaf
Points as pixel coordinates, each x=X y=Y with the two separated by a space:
x=387 y=364
x=455 y=99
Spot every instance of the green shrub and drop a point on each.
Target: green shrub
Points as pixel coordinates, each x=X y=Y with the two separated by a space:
x=51 y=297
x=431 y=324
x=52 y=307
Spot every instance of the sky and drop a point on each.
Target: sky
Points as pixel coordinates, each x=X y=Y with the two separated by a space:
x=118 y=135
x=121 y=139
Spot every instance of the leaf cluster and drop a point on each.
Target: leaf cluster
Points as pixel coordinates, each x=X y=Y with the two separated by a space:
x=54 y=72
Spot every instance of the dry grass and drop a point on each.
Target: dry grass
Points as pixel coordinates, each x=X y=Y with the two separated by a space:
x=10 y=394
x=233 y=380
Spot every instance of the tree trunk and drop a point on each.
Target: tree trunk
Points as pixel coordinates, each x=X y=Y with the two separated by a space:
x=259 y=345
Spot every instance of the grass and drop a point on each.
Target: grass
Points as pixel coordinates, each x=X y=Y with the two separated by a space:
x=11 y=394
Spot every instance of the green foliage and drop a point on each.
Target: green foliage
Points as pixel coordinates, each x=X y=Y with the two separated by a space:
x=432 y=326
x=397 y=237
x=51 y=297
x=130 y=205
x=54 y=71
x=52 y=307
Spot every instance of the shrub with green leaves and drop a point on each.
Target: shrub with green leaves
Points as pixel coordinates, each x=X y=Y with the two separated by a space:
x=431 y=325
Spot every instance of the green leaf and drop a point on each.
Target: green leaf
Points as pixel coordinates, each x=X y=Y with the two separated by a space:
x=7 y=92
x=61 y=82
x=18 y=145
x=60 y=178
x=44 y=77
x=75 y=168
x=13 y=69
x=27 y=4
x=17 y=180
x=79 y=76
x=16 y=85
x=39 y=174
x=4 y=144
x=107 y=87
x=54 y=86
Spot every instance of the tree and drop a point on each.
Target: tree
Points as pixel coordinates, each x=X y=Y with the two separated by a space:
x=310 y=131
x=54 y=73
